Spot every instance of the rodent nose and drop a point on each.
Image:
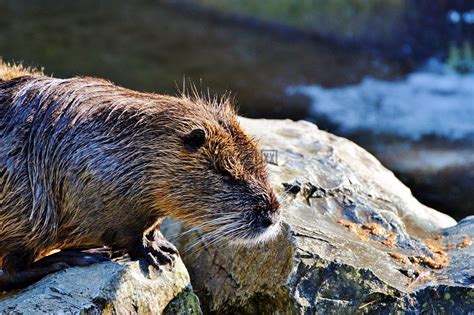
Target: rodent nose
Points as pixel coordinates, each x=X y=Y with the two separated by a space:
x=268 y=211
x=269 y=215
x=266 y=221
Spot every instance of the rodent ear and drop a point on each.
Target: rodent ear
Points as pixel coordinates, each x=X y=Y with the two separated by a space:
x=194 y=140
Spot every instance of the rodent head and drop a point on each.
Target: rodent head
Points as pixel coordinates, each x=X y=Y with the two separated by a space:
x=216 y=176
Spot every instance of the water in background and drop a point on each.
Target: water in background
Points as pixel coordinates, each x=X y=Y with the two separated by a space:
x=425 y=103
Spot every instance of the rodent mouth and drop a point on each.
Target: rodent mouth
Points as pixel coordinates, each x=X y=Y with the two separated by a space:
x=248 y=229
x=258 y=234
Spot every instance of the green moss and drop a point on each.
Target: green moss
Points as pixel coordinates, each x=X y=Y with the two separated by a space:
x=185 y=303
x=280 y=302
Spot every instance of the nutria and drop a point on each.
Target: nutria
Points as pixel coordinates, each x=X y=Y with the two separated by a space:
x=85 y=163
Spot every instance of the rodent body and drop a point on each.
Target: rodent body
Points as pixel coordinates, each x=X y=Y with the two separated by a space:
x=84 y=163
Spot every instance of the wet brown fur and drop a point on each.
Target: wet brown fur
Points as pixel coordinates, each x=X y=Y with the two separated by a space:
x=85 y=163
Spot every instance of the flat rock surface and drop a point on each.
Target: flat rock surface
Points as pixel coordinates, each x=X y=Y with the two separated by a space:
x=354 y=238
x=126 y=287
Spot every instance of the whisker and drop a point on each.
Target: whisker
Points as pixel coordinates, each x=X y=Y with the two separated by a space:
x=219 y=234
x=210 y=223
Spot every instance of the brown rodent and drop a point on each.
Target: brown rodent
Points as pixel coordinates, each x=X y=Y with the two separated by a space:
x=85 y=163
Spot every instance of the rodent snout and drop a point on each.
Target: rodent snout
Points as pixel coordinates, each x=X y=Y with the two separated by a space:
x=262 y=222
x=267 y=220
x=270 y=213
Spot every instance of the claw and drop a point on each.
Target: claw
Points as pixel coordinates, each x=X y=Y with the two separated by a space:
x=151 y=260
x=156 y=251
x=163 y=256
x=167 y=246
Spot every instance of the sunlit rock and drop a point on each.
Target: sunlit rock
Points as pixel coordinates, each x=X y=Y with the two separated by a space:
x=111 y=288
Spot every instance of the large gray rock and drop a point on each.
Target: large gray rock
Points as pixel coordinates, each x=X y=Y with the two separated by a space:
x=110 y=288
x=347 y=240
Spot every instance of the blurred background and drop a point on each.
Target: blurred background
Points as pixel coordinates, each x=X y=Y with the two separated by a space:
x=395 y=76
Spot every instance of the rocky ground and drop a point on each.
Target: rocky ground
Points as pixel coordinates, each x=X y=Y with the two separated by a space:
x=353 y=239
x=120 y=287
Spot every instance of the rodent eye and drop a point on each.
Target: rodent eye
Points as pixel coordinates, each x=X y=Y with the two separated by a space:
x=194 y=140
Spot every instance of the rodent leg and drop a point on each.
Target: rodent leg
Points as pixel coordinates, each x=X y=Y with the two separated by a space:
x=104 y=250
x=72 y=258
x=155 y=249
x=47 y=265
x=22 y=279
x=17 y=261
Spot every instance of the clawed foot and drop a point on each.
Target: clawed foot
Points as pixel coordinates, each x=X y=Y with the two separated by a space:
x=156 y=250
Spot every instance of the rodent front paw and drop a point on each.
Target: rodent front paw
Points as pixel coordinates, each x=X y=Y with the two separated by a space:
x=158 y=252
